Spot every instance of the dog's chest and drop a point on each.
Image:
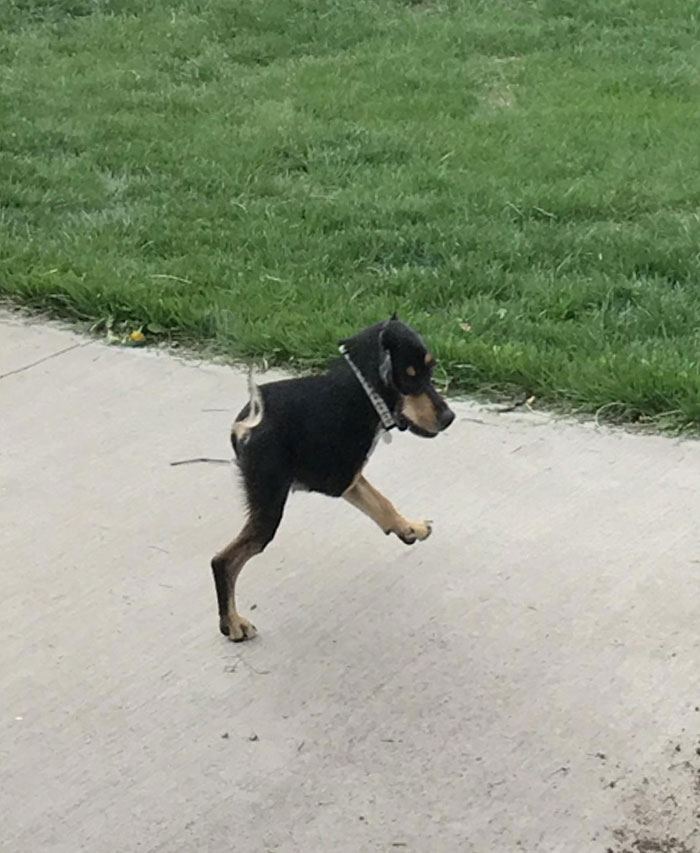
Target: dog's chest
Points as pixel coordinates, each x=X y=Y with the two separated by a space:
x=377 y=435
x=299 y=486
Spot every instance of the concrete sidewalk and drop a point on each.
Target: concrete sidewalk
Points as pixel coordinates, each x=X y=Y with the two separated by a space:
x=525 y=680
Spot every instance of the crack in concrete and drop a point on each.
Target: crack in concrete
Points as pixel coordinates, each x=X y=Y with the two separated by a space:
x=42 y=360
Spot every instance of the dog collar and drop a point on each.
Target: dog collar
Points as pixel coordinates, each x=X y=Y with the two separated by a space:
x=381 y=408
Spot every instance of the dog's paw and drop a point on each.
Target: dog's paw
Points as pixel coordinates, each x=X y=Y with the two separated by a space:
x=414 y=531
x=237 y=629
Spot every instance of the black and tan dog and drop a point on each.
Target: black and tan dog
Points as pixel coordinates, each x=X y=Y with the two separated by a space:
x=316 y=433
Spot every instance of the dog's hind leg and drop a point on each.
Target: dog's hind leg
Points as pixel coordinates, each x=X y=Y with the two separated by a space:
x=257 y=533
x=226 y=566
x=380 y=509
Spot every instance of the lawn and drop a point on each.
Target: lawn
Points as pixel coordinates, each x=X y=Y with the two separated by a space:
x=265 y=176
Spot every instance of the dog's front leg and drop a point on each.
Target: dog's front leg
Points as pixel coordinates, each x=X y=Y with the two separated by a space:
x=380 y=509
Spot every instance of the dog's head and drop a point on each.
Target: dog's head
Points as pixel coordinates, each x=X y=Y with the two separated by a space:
x=406 y=365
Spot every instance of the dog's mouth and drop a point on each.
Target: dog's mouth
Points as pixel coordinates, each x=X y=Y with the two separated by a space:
x=403 y=423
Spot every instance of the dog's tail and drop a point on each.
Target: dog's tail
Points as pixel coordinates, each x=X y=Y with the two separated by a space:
x=241 y=429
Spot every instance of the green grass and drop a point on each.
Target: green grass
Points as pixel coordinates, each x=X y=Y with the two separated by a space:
x=266 y=176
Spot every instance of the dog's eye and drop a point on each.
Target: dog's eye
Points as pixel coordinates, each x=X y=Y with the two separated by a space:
x=411 y=370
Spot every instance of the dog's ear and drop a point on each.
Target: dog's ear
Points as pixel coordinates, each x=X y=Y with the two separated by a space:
x=394 y=316
x=385 y=365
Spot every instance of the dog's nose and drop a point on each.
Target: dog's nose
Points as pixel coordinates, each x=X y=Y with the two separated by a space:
x=446 y=418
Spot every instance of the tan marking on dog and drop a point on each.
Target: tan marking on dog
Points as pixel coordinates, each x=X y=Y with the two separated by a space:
x=241 y=428
x=240 y=629
x=419 y=409
x=382 y=511
x=411 y=370
x=354 y=481
x=430 y=359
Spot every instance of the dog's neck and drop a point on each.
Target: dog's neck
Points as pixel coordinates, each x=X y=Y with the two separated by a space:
x=362 y=355
x=375 y=398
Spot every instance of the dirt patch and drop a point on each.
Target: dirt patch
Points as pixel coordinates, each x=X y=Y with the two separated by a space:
x=663 y=812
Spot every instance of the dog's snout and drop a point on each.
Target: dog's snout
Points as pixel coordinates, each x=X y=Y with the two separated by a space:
x=446 y=418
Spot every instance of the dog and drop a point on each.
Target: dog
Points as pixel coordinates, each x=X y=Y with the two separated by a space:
x=317 y=432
